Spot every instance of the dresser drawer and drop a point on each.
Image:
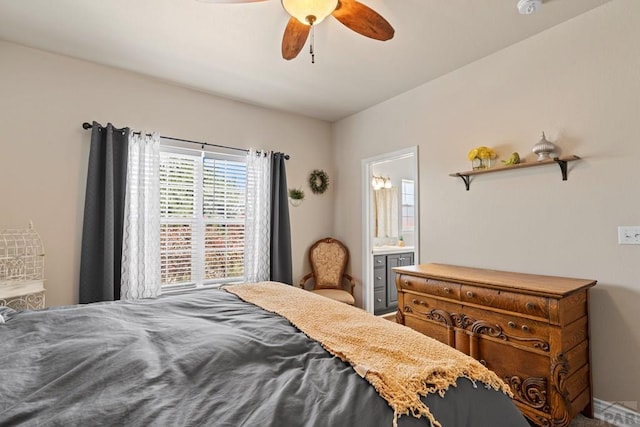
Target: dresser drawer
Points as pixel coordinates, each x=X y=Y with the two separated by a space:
x=443 y=312
x=509 y=301
x=431 y=286
x=526 y=374
x=379 y=261
x=511 y=329
x=430 y=329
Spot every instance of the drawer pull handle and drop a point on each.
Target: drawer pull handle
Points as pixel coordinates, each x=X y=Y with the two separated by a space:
x=406 y=282
x=378 y=278
x=483 y=362
x=525 y=328
x=414 y=301
x=447 y=290
x=400 y=259
x=422 y=303
x=529 y=305
x=470 y=294
x=379 y=299
x=512 y=325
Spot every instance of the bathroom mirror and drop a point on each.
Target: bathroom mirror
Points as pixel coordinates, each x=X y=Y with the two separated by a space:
x=390 y=226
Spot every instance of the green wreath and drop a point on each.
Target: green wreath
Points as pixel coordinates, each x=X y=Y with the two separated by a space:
x=318 y=181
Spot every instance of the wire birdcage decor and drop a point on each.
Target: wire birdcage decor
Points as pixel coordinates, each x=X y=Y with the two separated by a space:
x=21 y=255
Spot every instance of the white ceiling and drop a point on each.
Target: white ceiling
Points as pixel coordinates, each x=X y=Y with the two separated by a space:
x=233 y=50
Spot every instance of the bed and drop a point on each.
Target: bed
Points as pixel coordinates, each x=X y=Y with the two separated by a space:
x=200 y=358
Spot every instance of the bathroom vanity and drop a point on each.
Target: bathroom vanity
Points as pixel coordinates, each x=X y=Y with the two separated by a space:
x=385 y=259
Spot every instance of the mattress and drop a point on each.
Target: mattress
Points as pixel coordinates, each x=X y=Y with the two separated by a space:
x=200 y=358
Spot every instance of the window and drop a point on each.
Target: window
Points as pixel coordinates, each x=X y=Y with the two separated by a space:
x=202 y=212
x=408 y=205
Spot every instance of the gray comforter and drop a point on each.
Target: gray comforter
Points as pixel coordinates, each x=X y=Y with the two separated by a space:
x=203 y=358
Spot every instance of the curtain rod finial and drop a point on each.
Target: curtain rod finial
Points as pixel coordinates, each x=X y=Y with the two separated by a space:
x=86 y=125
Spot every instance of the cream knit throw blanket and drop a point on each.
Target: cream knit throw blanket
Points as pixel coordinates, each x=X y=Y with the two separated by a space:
x=400 y=363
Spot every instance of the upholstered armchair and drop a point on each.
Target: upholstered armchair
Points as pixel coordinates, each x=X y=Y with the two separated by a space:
x=328 y=258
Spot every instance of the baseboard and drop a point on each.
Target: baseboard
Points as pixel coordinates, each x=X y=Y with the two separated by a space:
x=389 y=316
x=617 y=414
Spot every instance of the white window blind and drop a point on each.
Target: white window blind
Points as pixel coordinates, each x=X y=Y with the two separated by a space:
x=202 y=200
x=408 y=205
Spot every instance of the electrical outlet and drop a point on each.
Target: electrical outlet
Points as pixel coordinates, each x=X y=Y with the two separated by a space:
x=629 y=235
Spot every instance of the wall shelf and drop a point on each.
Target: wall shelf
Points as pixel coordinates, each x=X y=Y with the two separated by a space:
x=560 y=161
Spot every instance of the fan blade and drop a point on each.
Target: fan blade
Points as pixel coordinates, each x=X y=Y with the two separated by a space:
x=294 y=38
x=363 y=20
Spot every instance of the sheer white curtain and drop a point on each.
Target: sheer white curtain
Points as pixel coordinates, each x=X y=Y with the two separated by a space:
x=257 y=234
x=141 y=240
x=387 y=212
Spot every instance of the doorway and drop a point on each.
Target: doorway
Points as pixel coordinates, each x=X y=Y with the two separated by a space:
x=390 y=205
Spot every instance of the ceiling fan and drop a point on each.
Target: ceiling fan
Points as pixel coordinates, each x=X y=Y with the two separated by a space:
x=306 y=14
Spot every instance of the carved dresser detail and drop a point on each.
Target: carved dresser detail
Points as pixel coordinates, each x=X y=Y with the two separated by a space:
x=532 y=330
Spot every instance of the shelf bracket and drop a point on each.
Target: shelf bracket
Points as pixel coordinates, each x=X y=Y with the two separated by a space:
x=563 y=167
x=467 y=179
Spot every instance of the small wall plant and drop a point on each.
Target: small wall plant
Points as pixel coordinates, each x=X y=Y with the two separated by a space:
x=296 y=194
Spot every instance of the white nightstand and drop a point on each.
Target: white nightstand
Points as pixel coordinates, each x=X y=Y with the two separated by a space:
x=21 y=269
x=22 y=295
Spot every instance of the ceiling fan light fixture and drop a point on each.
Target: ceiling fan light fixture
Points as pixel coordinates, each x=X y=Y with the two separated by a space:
x=229 y=1
x=310 y=11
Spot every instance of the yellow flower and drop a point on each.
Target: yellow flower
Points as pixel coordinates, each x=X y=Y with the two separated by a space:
x=486 y=153
x=481 y=152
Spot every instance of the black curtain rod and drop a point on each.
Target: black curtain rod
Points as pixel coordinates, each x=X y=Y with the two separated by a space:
x=86 y=125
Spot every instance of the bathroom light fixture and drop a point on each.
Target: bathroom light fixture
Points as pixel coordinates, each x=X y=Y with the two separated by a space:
x=380 y=182
x=376 y=183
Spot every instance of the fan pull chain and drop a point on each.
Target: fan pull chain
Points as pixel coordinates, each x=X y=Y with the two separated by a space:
x=313 y=56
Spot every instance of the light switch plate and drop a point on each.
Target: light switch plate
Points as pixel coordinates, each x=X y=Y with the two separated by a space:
x=629 y=235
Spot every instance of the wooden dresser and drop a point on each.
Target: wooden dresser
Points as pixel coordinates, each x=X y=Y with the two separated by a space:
x=532 y=330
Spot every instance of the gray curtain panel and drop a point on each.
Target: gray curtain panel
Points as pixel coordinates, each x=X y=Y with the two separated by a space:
x=281 y=268
x=104 y=214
